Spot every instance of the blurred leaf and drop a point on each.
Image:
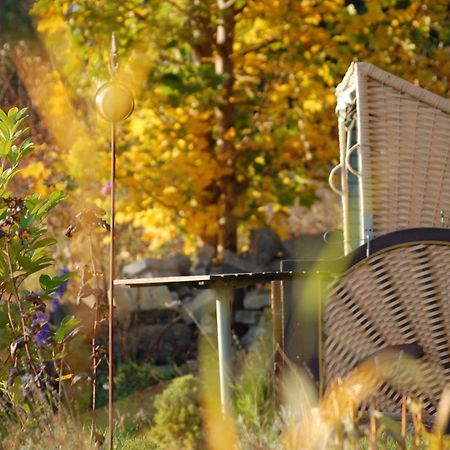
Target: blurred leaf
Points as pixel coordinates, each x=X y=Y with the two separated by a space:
x=79 y=377
x=414 y=405
x=53 y=200
x=84 y=291
x=73 y=334
x=46 y=242
x=68 y=324
x=50 y=284
x=13 y=374
x=439 y=440
x=391 y=427
x=68 y=376
x=16 y=345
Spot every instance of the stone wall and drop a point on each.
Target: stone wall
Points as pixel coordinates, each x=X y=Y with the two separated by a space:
x=162 y=325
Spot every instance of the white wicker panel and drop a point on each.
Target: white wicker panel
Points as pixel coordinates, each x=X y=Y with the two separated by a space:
x=398 y=296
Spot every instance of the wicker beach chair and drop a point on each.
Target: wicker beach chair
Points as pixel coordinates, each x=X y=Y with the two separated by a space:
x=394 y=291
x=398 y=297
x=394 y=155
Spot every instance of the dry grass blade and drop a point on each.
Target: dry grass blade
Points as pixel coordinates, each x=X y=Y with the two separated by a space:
x=334 y=418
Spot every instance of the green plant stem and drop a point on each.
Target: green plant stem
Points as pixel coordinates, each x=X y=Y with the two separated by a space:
x=10 y=319
x=19 y=305
x=94 y=338
x=60 y=378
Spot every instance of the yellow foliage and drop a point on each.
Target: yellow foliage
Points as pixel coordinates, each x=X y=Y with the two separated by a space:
x=36 y=170
x=260 y=160
x=173 y=165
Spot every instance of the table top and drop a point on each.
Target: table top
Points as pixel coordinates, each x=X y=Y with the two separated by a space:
x=233 y=279
x=329 y=268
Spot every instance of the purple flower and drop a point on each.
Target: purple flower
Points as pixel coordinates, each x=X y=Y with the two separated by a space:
x=55 y=305
x=106 y=189
x=40 y=318
x=61 y=289
x=40 y=321
x=42 y=336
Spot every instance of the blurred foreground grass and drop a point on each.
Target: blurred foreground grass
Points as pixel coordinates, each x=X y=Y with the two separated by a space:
x=185 y=414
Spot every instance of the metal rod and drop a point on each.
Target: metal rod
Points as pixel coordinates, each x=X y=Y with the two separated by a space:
x=223 y=314
x=111 y=293
x=277 y=336
x=320 y=349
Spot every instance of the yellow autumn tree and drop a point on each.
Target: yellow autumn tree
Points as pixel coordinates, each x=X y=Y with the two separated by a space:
x=235 y=101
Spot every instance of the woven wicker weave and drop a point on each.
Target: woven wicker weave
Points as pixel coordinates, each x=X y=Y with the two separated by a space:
x=398 y=296
x=403 y=140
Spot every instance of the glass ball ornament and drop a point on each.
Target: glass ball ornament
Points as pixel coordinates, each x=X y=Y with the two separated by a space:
x=114 y=101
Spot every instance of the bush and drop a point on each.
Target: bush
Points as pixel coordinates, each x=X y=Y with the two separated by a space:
x=132 y=377
x=33 y=379
x=177 y=421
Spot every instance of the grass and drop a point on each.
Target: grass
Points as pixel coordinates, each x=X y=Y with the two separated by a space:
x=303 y=422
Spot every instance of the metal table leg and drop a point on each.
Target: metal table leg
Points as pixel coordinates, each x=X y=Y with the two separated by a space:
x=277 y=300
x=223 y=313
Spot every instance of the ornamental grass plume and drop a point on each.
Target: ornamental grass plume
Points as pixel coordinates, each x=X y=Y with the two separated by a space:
x=334 y=420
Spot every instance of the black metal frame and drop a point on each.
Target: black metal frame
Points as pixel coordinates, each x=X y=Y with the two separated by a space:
x=310 y=331
x=376 y=245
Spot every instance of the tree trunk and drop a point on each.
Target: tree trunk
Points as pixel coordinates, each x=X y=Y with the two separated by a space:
x=224 y=112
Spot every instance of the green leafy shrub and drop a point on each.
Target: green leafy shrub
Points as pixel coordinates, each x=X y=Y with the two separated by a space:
x=131 y=377
x=33 y=350
x=177 y=421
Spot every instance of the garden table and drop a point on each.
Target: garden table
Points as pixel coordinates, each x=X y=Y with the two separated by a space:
x=224 y=284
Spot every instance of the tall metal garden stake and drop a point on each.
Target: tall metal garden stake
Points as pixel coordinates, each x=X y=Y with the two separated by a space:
x=114 y=103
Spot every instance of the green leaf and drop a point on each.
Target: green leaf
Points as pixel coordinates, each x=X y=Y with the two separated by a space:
x=391 y=427
x=25 y=147
x=41 y=266
x=16 y=134
x=23 y=113
x=53 y=200
x=4 y=132
x=45 y=282
x=31 y=201
x=19 y=273
x=24 y=261
x=46 y=242
x=40 y=255
x=13 y=155
x=72 y=335
x=25 y=222
x=12 y=113
x=50 y=284
x=37 y=233
x=3 y=266
x=5 y=147
x=3 y=116
x=7 y=175
x=67 y=325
